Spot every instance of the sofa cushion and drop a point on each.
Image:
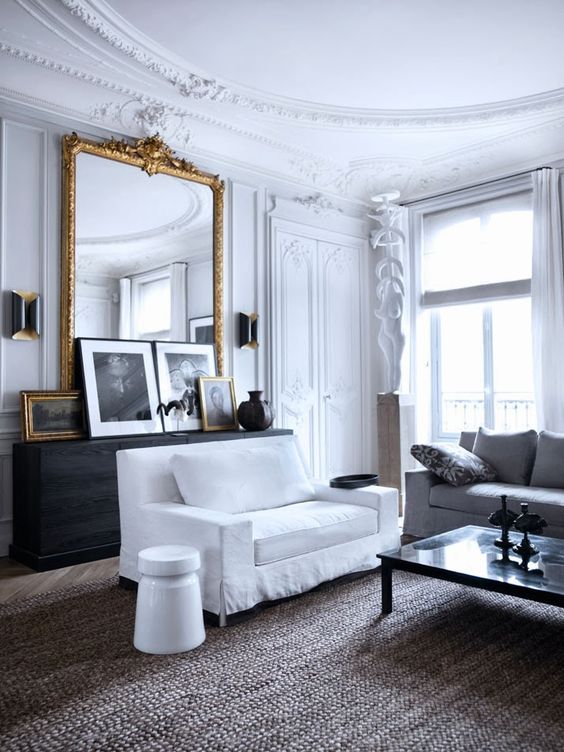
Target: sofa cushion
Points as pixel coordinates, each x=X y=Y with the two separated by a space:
x=452 y=463
x=242 y=479
x=483 y=498
x=510 y=454
x=467 y=439
x=299 y=529
x=548 y=470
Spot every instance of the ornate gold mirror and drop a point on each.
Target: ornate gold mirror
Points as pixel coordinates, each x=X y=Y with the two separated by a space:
x=142 y=250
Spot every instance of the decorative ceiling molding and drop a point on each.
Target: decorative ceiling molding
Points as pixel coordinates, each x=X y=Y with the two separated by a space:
x=318 y=204
x=196 y=219
x=196 y=86
x=144 y=116
x=216 y=119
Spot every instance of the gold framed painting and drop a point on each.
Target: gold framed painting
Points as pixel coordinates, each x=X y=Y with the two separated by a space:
x=52 y=416
x=217 y=400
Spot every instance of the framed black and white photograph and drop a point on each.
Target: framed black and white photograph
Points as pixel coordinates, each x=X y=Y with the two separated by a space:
x=52 y=416
x=219 y=409
x=179 y=366
x=201 y=330
x=120 y=387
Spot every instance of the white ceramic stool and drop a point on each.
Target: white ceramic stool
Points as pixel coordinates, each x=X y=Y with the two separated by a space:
x=168 y=618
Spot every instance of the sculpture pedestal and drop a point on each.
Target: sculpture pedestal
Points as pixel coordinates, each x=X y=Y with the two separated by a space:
x=395 y=417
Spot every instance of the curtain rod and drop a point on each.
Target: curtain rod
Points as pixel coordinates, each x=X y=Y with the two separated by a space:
x=475 y=185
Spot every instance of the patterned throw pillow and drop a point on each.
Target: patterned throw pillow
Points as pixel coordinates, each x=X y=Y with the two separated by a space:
x=453 y=464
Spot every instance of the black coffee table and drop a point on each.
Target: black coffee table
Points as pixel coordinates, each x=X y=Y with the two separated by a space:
x=468 y=556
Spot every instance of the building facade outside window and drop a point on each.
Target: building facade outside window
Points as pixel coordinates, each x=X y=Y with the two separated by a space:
x=473 y=350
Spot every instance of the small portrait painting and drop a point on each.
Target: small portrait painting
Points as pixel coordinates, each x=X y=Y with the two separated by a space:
x=219 y=411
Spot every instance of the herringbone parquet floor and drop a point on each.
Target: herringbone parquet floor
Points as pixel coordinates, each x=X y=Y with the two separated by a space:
x=18 y=581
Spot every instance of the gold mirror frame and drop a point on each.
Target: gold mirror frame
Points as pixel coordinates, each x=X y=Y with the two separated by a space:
x=153 y=156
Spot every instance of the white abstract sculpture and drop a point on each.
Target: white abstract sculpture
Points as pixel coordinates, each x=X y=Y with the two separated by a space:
x=390 y=289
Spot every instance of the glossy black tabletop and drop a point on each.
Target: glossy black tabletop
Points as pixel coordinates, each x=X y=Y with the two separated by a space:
x=470 y=551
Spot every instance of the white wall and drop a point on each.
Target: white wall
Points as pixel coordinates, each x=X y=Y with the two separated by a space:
x=30 y=172
x=30 y=232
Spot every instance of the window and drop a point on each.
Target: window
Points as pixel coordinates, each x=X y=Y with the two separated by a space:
x=475 y=298
x=150 y=304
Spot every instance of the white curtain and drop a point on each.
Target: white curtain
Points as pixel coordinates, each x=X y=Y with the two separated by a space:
x=547 y=298
x=125 y=308
x=178 y=302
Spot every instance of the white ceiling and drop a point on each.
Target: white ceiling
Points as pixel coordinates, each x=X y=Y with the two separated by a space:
x=346 y=97
x=127 y=222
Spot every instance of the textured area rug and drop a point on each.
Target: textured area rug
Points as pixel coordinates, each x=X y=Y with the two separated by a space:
x=450 y=669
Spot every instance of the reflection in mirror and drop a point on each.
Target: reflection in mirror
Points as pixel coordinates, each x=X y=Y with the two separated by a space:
x=144 y=252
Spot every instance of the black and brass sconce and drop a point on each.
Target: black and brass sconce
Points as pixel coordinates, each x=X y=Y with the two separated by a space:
x=26 y=315
x=248 y=330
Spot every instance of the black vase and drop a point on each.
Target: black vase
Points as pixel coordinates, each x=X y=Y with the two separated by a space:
x=256 y=414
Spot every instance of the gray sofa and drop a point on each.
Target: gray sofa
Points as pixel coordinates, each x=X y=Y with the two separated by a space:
x=433 y=506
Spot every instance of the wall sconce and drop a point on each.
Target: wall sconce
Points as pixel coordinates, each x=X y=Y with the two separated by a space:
x=26 y=315
x=248 y=330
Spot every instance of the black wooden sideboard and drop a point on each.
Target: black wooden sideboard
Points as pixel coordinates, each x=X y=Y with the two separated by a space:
x=65 y=496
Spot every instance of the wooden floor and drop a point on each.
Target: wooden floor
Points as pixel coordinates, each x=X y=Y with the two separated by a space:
x=18 y=581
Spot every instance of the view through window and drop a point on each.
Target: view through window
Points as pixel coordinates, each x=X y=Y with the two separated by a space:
x=476 y=269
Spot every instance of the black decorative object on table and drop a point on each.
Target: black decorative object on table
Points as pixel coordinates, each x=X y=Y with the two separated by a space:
x=505 y=519
x=256 y=414
x=528 y=522
x=354 y=481
x=179 y=406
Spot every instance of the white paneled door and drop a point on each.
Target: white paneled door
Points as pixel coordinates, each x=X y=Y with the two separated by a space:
x=317 y=375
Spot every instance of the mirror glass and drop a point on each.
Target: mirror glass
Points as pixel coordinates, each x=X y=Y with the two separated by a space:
x=144 y=254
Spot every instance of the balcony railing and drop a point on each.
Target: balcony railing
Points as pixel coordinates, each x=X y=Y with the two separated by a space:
x=466 y=412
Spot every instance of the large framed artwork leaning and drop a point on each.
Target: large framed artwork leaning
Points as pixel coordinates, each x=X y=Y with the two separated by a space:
x=179 y=366
x=120 y=387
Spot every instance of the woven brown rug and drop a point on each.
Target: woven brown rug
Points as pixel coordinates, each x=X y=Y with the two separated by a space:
x=450 y=669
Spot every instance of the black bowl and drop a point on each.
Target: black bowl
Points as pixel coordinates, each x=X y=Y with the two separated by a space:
x=354 y=481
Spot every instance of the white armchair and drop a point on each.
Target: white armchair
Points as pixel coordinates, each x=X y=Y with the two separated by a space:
x=264 y=549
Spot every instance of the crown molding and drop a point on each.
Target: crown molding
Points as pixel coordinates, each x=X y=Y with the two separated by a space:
x=197 y=85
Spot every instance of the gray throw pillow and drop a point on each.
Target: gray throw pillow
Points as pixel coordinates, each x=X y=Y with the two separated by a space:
x=452 y=463
x=510 y=454
x=467 y=439
x=548 y=470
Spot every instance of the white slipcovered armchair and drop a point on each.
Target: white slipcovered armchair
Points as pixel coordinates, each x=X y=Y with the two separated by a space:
x=263 y=528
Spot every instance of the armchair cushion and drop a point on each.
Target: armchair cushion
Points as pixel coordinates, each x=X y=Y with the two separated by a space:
x=299 y=529
x=243 y=479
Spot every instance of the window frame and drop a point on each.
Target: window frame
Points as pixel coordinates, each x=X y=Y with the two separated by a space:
x=429 y=405
x=137 y=281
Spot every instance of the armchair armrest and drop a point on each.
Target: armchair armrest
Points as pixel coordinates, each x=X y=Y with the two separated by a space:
x=369 y=496
x=225 y=542
x=418 y=485
x=380 y=498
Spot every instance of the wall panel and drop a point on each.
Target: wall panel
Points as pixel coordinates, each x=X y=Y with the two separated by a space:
x=23 y=210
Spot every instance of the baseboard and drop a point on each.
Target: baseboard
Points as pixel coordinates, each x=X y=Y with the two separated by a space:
x=66 y=559
x=5 y=536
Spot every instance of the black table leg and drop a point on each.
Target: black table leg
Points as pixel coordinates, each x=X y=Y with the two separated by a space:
x=386 y=588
